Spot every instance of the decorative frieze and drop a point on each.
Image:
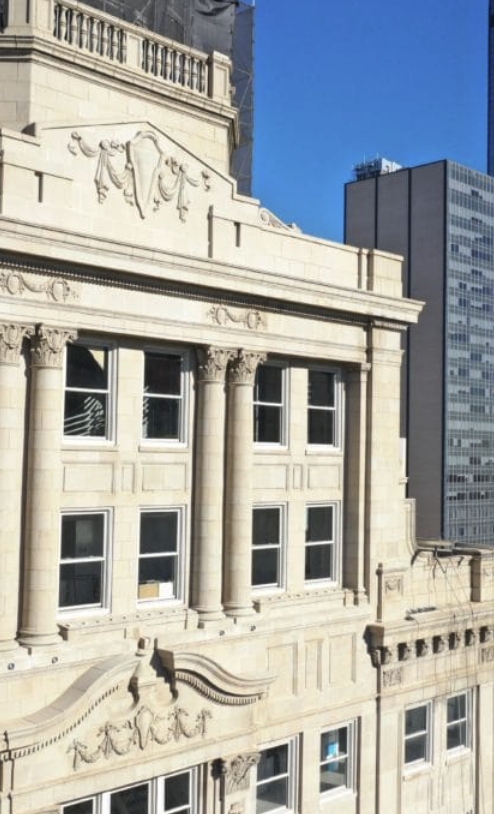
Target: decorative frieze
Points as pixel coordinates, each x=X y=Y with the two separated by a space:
x=236 y=771
x=250 y=318
x=137 y=733
x=11 y=337
x=212 y=363
x=55 y=288
x=48 y=345
x=244 y=366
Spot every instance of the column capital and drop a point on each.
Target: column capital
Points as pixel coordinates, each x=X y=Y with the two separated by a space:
x=11 y=336
x=244 y=366
x=48 y=345
x=212 y=363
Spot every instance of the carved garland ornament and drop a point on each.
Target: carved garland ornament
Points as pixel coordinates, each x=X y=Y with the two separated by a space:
x=144 y=728
x=57 y=289
x=144 y=183
x=251 y=319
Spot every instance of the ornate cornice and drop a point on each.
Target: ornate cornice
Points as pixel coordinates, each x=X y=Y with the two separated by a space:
x=48 y=345
x=212 y=681
x=243 y=367
x=11 y=336
x=212 y=363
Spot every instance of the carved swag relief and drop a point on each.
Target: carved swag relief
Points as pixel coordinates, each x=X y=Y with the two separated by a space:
x=141 y=169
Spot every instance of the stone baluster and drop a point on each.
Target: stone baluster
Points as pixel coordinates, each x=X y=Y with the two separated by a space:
x=186 y=71
x=84 y=31
x=104 y=38
x=209 y=483
x=12 y=402
x=159 y=61
x=44 y=485
x=176 y=67
x=238 y=503
x=193 y=76
x=168 y=65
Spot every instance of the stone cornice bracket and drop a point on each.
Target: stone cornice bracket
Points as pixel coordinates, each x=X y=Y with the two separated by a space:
x=244 y=366
x=212 y=363
x=48 y=344
x=11 y=337
x=211 y=680
x=235 y=771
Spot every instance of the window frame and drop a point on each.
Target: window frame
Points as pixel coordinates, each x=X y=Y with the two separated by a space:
x=281 y=547
x=156 y=794
x=336 y=410
x=106 y=560
x=183 y=420
x=428 y=731
x=467 y=720
x=180 y=510
x=292 y=775
x=336 y=543
x=283 y=407
x=111 y=419
x=350 y=757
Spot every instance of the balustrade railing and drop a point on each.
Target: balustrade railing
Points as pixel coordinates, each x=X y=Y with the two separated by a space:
x=90 y=32
x=169 y=62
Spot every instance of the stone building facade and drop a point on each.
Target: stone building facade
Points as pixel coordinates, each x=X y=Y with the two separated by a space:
x=212 y=601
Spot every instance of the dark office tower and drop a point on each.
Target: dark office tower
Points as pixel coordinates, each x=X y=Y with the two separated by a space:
x=440 y=217
x=490 y=111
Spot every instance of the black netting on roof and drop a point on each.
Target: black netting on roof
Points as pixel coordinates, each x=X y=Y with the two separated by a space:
x=208 y=25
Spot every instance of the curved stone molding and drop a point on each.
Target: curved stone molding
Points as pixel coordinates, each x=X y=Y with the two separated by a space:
x=56 y=289
x=244 y=366
x=54 y=722
x=138 y=732
x=167 y=180
x=11 y=336
x=250 y=319
x=212 y=680
x=212 y=363
x=236 y=771
x=267 y=218
x=48 y=346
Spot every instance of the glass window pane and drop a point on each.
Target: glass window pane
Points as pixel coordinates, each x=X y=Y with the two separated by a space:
x=157 y=578
x=416 y=748
x=162 y=374
x=456 y=708
x=130 y=801
x=266 y=526
x=177 y=791
x=273 y=762
x=321 y=388
x=159 y=532
x=87 y=367
x=161 y=418
x=80 y=584
x=319 y=523
x=267 y=424
x=334 y=775
x=334 y=743
x=82 y=536
x=86 y=807
x=265 y=566
x=321 y=427
x=85 y=414
x=457 y=735
x=416 y=720
x=319 y=562
x=268 y=385
x=272 y=795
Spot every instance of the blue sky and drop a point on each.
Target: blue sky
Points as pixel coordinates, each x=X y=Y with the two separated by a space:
x=337 y=80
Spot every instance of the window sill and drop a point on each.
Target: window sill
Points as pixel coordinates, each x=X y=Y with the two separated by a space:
x=457 y=755
x=75 y=615
x=162 y=446
x=337 y=794
x=411 y=771
x=277 y=449
x=328 y=451
x=89 y=445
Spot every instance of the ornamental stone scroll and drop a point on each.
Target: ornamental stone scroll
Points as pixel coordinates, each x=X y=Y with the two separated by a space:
x=244 y=366
x=11 y=338
x=212 y=363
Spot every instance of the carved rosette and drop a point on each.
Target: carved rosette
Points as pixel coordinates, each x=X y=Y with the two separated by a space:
x=48 y=345
x=11 y=336
x=236 y=771
x=244 y=366
x=212 y=364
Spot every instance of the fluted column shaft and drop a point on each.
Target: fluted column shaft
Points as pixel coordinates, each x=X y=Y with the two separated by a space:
x=209 y=483
x=44 y=486
x=238 y=503
x=11 y=457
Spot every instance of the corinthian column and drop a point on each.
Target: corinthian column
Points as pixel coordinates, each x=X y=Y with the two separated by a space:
x=44 y=486
x=238 y=503
x=12 y=401
x=209 y=483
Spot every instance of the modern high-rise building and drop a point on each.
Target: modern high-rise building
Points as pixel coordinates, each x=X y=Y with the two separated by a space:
x=490 y=105
x=440 y=217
